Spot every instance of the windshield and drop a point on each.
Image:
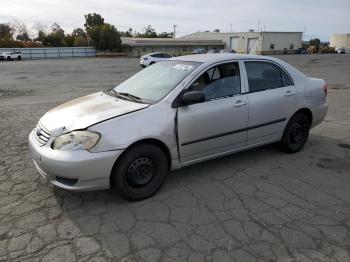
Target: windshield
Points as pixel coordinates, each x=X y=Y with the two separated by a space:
x=156 y=81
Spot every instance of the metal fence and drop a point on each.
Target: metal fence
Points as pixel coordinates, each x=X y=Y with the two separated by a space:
x=53 y=52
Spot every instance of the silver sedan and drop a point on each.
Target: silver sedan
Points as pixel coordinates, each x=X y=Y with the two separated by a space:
x=173 y=114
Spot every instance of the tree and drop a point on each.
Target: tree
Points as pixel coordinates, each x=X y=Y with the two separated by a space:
x=21 y=30
x=23 y=37
x=80 y=41
x=92 y=20
x=166 y=35
x=41 y=36
x=5 y=32
x=79 y=32
x=149 y=32
x=105 y=37
x=56 y=37
x=127 y=33
x=69 y=40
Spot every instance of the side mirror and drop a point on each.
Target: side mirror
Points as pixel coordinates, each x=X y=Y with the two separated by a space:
x=193 y=97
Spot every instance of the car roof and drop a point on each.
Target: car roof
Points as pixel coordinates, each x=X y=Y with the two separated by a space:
x=155 y=53
x=217 y=57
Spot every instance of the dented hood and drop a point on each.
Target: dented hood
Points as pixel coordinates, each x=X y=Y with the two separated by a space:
x=85 y=111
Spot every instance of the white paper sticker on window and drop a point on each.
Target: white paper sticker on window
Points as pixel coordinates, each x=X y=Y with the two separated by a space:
x=183 y=67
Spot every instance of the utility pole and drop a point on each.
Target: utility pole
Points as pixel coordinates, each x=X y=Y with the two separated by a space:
x=174 y=30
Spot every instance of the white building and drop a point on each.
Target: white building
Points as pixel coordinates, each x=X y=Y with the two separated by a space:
x=340 y=40
x=137 y=47
x=255 y=42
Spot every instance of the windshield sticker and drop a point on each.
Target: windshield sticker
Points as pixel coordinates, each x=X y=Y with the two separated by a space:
x=183 y=67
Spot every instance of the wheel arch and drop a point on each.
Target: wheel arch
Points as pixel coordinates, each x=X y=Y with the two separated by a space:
x=151 y=141
x=307 y=112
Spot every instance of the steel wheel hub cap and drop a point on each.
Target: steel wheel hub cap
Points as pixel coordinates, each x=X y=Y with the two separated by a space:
x=140 y=172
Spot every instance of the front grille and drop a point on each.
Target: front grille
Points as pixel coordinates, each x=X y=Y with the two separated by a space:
x=41 y=135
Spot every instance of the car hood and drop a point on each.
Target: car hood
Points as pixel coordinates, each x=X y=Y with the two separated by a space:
x=85 y=111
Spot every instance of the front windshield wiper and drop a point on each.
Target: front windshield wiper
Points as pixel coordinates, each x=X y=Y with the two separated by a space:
x=115 y=93
x=125 y=95
x=133 y=97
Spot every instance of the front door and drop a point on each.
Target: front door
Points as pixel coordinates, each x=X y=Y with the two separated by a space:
x=217 y=125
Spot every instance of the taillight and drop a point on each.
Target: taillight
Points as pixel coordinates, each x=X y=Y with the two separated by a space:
x=325 y=89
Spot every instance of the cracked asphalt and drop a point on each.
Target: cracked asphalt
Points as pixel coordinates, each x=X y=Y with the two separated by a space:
x=259 y=205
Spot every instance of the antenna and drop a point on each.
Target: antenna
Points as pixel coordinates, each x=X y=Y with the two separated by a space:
x=174 y=30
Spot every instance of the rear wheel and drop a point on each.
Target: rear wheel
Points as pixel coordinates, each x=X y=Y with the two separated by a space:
x=9 y=58
x=296 y=133
x=140 y=172
x=19 y=58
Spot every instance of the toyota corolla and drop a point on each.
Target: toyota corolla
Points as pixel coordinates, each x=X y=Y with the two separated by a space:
x=173 y=114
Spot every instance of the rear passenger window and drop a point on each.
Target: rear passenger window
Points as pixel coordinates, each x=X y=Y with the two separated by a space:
x=157 y=55
x=264 y=75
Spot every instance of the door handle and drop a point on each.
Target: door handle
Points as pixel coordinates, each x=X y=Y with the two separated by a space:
x=289 y=93
x=240 y=103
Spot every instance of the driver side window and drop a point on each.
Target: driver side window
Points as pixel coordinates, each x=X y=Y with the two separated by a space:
x=219 y=81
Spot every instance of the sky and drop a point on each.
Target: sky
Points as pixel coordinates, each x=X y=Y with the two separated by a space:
x=317 y=18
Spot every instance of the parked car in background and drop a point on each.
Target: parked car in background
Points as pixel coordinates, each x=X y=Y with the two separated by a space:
x=198 y=51
x=213 y=51
x=340 y=50
x=12 y=55
x=228 y=51
x=150 y=59
x=173 y=114
x=302 y=50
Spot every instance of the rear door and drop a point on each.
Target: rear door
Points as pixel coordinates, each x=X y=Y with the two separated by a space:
x=272 y=100
x=217 y=125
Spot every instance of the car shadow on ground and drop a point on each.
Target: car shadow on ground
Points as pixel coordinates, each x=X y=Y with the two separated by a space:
x=302 y=186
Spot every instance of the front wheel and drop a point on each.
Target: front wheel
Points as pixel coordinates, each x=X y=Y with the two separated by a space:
x=19 y=58
x=296 y=133
x=140 y=172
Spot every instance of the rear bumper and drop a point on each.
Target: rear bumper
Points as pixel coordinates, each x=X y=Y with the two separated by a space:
x=88 y=171
x=319 y=113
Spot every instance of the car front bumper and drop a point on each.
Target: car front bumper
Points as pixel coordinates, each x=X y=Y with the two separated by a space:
x=73 y=170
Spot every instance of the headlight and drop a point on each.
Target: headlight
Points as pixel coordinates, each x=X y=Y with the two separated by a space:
x=76 y=140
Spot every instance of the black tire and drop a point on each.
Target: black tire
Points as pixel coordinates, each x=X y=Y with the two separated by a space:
x=296 y=133
x=152 y=63
x=8 y=58
x=19 y=58
x=140 y=172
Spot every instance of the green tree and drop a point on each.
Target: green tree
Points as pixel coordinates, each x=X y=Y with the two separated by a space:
x=149 y=32
x=5 y=32
x=56 y=37
x=80 y=41
x=23 y=37
x=41 y=36
x=166 y=35
x=69 y=40
x=105 y=37
x=79 y=32
x=92 y=20
x=127 y=33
